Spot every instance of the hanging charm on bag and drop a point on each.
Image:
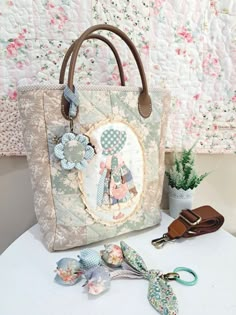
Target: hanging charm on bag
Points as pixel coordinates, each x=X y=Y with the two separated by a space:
x=74 y=150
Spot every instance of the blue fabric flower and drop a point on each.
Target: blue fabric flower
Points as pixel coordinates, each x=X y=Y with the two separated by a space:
x=74 y=151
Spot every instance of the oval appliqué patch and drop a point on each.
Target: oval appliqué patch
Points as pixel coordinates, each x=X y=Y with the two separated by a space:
x=112 y=185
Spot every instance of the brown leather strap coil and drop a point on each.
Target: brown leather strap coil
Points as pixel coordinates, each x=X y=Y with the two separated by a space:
x=106 y=41
x=144 y=101
x=195 y=222
x=191 y=223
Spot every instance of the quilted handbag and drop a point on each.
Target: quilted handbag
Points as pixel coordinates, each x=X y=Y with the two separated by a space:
x=95 y=153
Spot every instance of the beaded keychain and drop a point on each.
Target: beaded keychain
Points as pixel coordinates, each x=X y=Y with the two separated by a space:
x=121 y=262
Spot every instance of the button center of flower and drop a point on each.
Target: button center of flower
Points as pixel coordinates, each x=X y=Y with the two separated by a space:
x=74 y=151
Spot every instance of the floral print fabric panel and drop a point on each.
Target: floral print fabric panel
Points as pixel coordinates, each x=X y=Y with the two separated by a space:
x=113 y=184
x=185 y=46
x=196 y=71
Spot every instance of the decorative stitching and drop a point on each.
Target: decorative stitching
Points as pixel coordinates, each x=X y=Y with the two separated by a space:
x=25 y=88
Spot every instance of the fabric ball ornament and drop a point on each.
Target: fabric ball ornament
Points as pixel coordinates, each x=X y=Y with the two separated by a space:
x=68 y=271
x=112 y=255
x=98 y=280
x=89 y=258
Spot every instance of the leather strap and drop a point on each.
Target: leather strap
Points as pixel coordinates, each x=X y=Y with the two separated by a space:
x=192 y=223
x=103 y=39
x=144 y=100
x=185 y=225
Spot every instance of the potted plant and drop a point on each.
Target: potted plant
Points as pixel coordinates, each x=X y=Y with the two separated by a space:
x=182 y=180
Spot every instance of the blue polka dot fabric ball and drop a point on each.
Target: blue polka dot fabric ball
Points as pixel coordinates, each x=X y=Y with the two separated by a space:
x=89 y=258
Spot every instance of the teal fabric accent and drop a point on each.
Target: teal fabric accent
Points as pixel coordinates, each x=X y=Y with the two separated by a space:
x=82 y=139
x=89 y=258
x=58 y=150
x=66 y=165
x=101 y=187
x=160 y=294
x=73 y=99
x=188 y=270
x=89 y=153
x=114 y=165
x=67 y=137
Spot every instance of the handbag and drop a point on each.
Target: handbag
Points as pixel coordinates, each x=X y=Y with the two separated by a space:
x=95 y=153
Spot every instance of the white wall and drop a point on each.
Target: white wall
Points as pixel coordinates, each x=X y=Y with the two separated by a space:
x=16 y=200
x=219 y=188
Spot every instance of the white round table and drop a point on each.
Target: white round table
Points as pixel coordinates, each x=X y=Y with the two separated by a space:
x=27 y=284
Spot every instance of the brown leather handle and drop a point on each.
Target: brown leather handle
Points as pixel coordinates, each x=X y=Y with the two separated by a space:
x=106 y=41
x=144 y=101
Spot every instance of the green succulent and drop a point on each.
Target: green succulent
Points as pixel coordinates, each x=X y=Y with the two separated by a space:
x=183 y=174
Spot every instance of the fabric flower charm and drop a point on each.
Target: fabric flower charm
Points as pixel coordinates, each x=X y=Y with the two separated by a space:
x=89 y=258
x=98 y=280
x=74 y=151
x=112 y=255
x=68 y=271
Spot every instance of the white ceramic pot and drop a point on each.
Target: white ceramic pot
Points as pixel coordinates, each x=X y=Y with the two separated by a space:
x=179 y=200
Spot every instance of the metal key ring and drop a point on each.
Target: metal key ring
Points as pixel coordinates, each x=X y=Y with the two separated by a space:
x=188 y=283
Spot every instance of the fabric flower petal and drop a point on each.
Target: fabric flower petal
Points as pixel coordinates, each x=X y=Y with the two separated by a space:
x=89 y=153
x=162 y=297
x=82 y=139
x=68 y=271
x=67 y=137
x=84 y=164
x=133 y=258
x=67 y=165
x=79 y=166
x=58 y=151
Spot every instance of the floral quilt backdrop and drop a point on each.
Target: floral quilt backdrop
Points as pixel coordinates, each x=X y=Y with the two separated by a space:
x=188 y=46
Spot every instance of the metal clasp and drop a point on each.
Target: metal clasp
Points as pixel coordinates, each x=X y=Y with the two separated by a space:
x=71 y=125
x=160 y=242
x=170 y=276
x=197 y=221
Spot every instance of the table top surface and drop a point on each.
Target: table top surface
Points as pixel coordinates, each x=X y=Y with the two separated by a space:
x=27 y=277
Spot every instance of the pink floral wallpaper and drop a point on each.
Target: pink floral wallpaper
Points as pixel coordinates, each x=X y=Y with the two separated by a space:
x=188 y=47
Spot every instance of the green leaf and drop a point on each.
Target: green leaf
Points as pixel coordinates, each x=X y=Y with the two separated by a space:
x=183 y=174
x=162 y=297
x=133 y=258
